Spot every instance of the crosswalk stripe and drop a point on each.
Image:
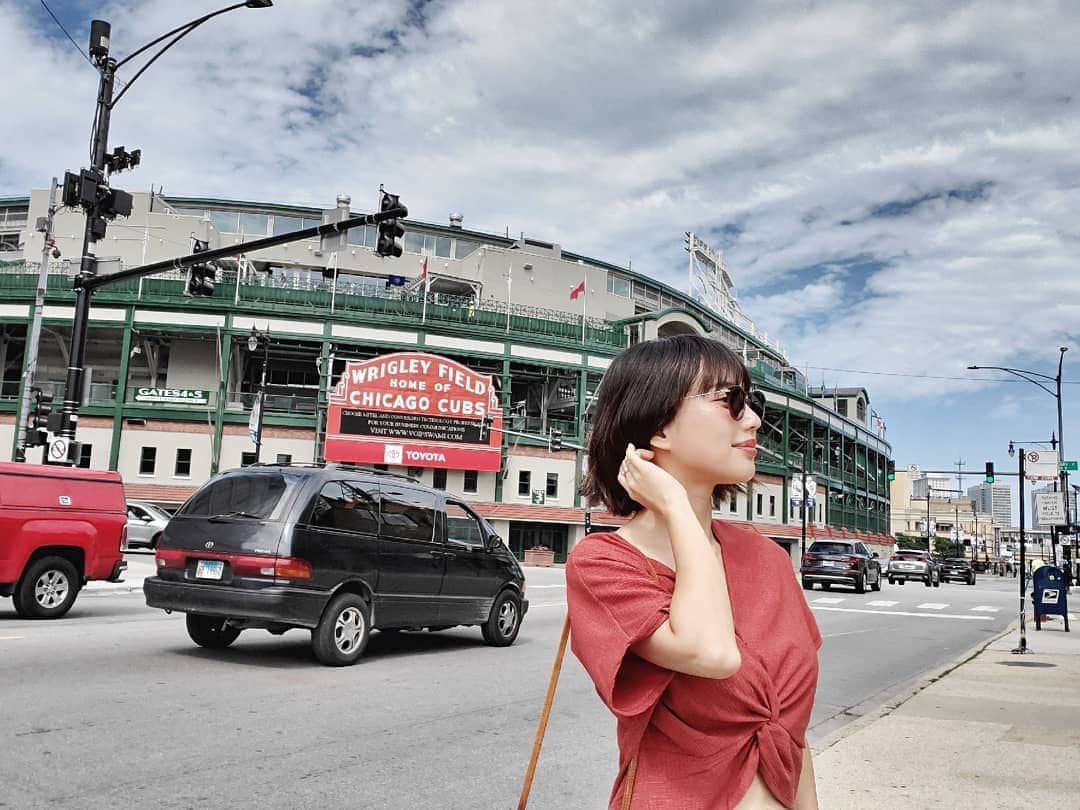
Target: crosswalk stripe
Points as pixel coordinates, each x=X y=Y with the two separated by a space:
x=828 y=600
x=986 y=609
x=882 y=603
x=931 y=606
x=968 y=617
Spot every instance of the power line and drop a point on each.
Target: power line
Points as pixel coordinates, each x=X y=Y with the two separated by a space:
x=920 y=376
x=61 y=25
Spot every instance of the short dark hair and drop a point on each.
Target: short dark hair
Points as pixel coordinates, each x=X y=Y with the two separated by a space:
x=640 y=393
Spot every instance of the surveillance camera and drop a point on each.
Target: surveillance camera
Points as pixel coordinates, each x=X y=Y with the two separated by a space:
x=56 y=253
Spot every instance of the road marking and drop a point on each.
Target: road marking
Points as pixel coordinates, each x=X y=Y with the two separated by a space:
x=828 y=600
x=563 y=604
x=882 y=603
x=9 y=638
x=534 y=587
x=904 y=613
x=852 y=632
x=932 y=606
x=987 y=609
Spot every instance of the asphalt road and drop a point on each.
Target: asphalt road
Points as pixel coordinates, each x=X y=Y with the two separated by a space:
x=114 y=706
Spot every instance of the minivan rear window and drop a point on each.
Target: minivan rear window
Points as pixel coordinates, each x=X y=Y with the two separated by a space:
x=830 y=548
x=255 y=495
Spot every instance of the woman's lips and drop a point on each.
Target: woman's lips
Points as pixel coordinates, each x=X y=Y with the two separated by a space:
x=750 y=448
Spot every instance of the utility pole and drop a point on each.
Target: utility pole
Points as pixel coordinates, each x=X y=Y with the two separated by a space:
x=35 y=328
x=960 y=474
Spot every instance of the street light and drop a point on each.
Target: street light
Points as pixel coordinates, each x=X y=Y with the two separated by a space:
x=1056 y=394
x=1022 y=575
x=255 y=339
x=91 y=191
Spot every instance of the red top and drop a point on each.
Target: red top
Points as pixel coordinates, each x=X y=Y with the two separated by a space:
x=699 y=740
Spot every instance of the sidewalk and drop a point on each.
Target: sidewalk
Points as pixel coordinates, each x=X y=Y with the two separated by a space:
x=996 y=730
x=140 y=566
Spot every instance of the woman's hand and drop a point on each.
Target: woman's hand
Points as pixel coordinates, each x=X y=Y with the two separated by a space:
x=650 y=485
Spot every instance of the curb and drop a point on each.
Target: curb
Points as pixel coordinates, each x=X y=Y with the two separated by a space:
x=906 y=692
x=104 y=588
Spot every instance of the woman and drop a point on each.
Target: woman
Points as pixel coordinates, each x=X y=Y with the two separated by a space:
x=693 y=630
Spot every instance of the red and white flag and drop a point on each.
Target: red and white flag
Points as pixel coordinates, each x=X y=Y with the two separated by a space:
x=578 y=290
x=423 y=268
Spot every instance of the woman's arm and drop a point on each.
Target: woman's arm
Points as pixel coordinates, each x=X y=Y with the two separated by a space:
x=806 y=796
x=698 y=637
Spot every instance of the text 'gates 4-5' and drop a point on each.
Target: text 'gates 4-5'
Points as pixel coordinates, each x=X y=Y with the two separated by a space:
x=417 y=410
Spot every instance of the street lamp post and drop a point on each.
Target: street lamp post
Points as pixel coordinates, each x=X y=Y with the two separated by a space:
x=928 y=549
x=95 y=196
x=255 y=339
x=975 y=539
x=1023 y=374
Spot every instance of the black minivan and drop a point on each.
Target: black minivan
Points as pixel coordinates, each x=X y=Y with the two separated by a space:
x=336 y=549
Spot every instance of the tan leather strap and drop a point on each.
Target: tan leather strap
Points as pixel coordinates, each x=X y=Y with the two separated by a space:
x=542 y=726
x=628 y=790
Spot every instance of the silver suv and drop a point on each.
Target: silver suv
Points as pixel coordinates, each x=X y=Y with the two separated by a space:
x=909 y=563
x=145 y=523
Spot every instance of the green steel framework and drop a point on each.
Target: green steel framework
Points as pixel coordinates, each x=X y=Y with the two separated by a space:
x=856 y=483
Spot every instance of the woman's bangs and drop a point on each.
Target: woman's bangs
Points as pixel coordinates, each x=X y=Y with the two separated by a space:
x=719 y=368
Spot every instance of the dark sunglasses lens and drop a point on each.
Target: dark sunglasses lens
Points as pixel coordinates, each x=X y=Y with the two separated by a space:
x=757 y=403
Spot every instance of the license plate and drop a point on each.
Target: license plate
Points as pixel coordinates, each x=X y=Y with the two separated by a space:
x=908 y=566
x=830 y=563
x=209 y=569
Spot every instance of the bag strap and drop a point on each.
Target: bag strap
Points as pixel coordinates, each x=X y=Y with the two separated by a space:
x=545 y=714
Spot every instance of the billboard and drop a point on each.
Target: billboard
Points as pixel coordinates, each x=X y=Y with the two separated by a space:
x=414 y=409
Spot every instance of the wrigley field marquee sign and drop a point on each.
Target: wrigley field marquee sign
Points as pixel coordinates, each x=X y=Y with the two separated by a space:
x=414 y=409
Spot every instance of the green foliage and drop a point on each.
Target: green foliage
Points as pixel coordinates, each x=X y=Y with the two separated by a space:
x=913 y=541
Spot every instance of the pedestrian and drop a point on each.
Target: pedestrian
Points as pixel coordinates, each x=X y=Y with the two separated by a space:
x=694 y=631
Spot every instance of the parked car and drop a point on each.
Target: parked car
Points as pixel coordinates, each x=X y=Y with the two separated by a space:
x=913 y=564
x=337 y=550
x=840 y=562
x=145 y=522
x=59 y=528
x=959 y=569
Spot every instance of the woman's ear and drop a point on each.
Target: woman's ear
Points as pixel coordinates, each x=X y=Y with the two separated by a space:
x=660 y=441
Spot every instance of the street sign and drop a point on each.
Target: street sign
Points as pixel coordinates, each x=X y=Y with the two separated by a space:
x=58 y=449
x=1041 y=465
x=1069 y=466
x=1050 y=508
x=538 y=496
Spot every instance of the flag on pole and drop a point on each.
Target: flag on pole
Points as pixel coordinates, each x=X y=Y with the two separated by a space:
x=423 y=268
x=427 y=289
x=578 y=290
x=509 y=280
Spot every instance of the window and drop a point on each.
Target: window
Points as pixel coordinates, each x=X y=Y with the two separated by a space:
x=462 y=527
x=362 y=237
x=383 y=467
x=442 y=247
x=524 y=483
x=253 y=224
x=182 y=468
x=553 y=485
x=259 y=495
x=841 y=407
x=346 y=507
x=414 y=242
x=760 y=501
x=438 y=478
x=617 y=285
x=283 y=224
x=772 y=506
x=247 y=459
x=225 y=221
x=147 y=460
x=733 y=503
x=469 y=481
x=84 y=455
x=464 y=247
x=407 y=514
x=284 y=458
x=415 y=472
x=860 y=410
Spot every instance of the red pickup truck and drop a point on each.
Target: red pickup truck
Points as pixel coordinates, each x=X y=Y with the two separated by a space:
x=59 y=528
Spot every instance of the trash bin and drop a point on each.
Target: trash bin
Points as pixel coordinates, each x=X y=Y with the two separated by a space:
x=1049 y=596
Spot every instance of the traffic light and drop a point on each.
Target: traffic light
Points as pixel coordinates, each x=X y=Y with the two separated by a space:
x=989 y=472
x=554 y=441
x=201 y=277
x=890 y=470
x=37 y=432
x=389 y=241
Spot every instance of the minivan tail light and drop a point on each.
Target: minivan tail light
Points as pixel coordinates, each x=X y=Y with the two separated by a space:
x=292 y=568
x=250 y=565
x=170 y=557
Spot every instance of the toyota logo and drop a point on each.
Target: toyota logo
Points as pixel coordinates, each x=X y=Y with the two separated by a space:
x=209 y=544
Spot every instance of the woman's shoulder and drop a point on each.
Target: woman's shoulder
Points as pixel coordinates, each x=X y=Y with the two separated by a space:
x=749 y=541
x=598 y=547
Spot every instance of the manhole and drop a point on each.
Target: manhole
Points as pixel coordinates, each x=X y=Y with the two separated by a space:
x=1026 y=664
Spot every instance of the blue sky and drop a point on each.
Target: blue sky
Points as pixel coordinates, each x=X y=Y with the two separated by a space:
x=894 y=186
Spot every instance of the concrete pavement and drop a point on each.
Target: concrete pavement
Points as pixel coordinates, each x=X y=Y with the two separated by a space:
x=995 y=730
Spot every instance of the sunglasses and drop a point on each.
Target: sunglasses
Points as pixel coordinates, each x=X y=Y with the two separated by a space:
x=737 y=400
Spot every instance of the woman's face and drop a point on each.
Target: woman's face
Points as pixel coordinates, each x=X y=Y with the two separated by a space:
x=705 y=443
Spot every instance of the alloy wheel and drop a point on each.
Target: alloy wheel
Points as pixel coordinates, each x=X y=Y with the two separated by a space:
x=348 y=630
x=507 y=617
x=51 y=589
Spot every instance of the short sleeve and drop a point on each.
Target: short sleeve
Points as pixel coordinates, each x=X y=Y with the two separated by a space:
x=614 y=601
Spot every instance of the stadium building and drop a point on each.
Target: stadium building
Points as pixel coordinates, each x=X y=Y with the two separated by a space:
x=172 y=378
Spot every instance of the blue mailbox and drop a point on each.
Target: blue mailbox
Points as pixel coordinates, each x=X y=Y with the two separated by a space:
x=1049 y=594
